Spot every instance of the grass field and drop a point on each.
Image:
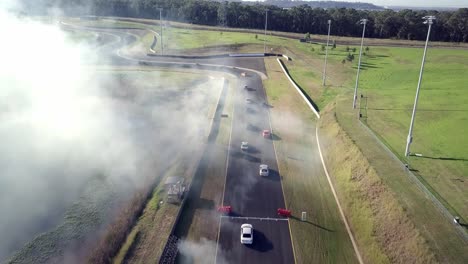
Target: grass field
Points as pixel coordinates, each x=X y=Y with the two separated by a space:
x=389 y=83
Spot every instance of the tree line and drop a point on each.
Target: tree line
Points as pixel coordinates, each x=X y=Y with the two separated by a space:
x=450 y=26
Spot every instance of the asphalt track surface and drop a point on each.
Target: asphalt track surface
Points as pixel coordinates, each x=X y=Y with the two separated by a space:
x=254 y=199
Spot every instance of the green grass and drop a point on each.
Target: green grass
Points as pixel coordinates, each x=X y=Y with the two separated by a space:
x=441 y=120
x=438 y=232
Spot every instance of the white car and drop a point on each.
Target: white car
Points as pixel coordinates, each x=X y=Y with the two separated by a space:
x=244 y=146
x=264 y=170
x=246 y=234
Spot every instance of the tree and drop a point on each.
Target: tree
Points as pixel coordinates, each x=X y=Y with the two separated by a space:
x=350 y=57
x=334 y=45
x=322 y=48
x=354 y=49
x=256 y=36
x=347 y=49
x=343 y=62
x=367 y=49
x=307 y=36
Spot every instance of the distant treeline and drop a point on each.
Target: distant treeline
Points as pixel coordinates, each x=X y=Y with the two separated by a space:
x=406 y=24
x=322 y=4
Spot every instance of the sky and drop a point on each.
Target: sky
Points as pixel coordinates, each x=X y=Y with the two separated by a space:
x=415 y=3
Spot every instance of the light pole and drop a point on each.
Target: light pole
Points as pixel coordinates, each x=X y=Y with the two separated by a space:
x=362 y=22
x=161 y=24
x=326 y=54
x=427 y=20
x=264 y=38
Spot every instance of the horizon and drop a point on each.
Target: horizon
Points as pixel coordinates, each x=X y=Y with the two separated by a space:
x=396 y=3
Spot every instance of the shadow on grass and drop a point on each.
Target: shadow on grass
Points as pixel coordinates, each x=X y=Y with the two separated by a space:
x=377 y=56
x=424 y=110
x=302 y=90
x=311 y=223
x=367 y=65
x=439 y=158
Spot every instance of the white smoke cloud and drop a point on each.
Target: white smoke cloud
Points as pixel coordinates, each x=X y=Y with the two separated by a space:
x=201 y=252
x=61 y=124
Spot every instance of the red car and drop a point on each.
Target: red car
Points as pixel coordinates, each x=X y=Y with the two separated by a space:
x=266 y=133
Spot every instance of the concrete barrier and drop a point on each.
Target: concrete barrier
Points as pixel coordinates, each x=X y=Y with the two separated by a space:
x=298 y=89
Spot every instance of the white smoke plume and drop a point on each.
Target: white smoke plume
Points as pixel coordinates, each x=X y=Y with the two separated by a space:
x=60 y=126
x=201 y=252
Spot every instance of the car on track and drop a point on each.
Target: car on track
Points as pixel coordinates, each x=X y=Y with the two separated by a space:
x=246 y=234
x=263 y=170
x=266 y=133
x=244 y=146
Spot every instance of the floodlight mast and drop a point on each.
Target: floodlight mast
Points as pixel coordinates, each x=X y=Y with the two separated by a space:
x=427 y=20
x=266 y=25
x=326 y=54
x=362 y=22
x=161 y=24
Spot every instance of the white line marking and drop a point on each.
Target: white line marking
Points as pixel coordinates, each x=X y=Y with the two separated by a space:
x=254 y=218
x=227 y=161
x=356 y=250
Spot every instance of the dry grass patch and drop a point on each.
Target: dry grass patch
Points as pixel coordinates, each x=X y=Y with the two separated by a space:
x=382 y=229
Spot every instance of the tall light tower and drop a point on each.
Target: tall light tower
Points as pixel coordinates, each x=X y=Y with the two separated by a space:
x=266 y=25
x=326 y=54
x=161 y=24
x=362 y=22
x=427 y=20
